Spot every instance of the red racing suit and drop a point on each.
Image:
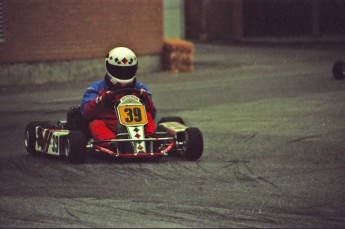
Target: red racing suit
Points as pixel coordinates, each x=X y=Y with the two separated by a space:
x=103 y=119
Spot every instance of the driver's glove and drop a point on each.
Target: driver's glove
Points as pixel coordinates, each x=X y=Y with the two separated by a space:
x=105 y=98
x=146 y=97
x=144 y=94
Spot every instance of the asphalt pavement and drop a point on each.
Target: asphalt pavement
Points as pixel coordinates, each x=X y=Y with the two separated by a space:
x=272 y=118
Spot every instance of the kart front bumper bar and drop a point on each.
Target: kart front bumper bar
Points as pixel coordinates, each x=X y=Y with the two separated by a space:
x=163 y=152
x=132 y=140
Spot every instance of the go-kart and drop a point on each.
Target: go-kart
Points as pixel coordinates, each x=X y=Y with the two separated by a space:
x=338 y=70
x=70 y=138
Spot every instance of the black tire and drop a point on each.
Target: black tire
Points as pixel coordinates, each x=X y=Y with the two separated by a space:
x=193 y=144
x=75 y=147
x=339 y=70
x=30 y=134
x=171 y=119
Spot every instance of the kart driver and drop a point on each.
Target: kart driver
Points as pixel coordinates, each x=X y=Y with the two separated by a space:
x=121 y=66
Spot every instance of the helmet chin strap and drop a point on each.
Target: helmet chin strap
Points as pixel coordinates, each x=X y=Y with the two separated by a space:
x=120 y=84
x=114 y=83
x=123 y=85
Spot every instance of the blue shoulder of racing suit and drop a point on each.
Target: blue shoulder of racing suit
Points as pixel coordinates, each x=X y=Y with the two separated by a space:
x=96 y=87
x=92 y=92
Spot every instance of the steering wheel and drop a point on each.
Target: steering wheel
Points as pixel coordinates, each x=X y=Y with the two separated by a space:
x=127 y=91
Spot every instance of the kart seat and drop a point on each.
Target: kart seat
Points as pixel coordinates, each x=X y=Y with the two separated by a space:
x=76 y=121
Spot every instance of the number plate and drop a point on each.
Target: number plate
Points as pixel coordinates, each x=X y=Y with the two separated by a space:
x=132 y=115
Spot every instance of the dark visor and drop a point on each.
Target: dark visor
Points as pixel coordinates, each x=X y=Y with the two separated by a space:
x=122 y=73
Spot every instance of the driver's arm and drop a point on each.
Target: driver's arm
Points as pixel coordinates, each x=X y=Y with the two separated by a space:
x=147 y=98
x=89 y=107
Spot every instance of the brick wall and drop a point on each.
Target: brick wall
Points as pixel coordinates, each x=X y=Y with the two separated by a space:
x=39 y=30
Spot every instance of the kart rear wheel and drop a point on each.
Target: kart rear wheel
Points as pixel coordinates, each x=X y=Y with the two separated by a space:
x=171 y=119
x=193 y=144
x=339 y=70
x=30 y=134
x=75 y=147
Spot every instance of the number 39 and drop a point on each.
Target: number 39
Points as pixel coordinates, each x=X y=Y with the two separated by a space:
x=133 y=114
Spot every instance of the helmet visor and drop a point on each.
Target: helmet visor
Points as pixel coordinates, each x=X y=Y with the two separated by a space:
x=123 y=72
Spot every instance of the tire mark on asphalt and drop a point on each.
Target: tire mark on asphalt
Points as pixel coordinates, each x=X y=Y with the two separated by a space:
x=139 y=169
x=234 y=170
x=315 y=136
x=232 y=163
x=155 y=175
x=267 y=181
x=72 y=215
x=242 y=172
x=221 y=216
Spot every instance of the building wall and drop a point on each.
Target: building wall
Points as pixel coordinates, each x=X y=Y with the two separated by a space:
x=332 y=17
x=222 y=19
x=313 y=18
x=246 y=19
x=41 y=30
x=213 y=19
x=194 y=18
x=277 y=18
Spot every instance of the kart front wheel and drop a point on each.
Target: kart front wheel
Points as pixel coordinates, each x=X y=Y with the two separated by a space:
x=339 y=70
x=75 y=147
x=30 y=134
x=193 y=144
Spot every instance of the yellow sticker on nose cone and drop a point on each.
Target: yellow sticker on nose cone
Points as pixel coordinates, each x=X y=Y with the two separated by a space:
x=132 y=115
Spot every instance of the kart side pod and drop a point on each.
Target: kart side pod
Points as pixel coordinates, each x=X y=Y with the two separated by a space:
x=175 y=129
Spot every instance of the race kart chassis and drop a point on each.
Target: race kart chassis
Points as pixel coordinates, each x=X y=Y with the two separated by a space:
x=72 y=140
x=175 y=130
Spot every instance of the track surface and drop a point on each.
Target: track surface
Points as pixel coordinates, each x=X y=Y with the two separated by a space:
x=273 y=124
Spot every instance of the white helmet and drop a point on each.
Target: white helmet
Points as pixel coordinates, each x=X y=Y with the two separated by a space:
x=121 y=65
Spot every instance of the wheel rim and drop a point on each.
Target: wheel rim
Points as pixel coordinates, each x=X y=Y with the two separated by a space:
x=27 y=139
x=185 y=142
x=67 y=147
